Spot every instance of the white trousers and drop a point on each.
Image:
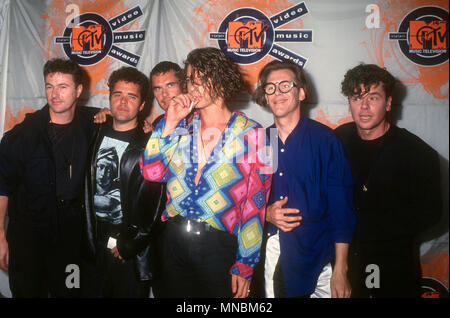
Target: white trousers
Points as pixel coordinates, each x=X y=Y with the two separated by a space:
x=322 y=290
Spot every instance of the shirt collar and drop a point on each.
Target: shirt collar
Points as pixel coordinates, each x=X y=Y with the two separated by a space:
x=189 y=124
x=296 y=132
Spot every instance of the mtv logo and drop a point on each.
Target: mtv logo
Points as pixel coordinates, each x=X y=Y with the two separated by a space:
x=246 y=35
x=87 y=38
x=432 y=35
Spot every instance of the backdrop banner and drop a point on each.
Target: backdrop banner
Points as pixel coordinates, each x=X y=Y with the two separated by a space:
x=408 y=37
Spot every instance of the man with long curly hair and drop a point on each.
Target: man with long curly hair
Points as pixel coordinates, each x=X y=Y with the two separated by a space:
x=217 y=183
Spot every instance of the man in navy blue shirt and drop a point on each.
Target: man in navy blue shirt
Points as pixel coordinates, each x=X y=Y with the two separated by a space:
x=310 y=214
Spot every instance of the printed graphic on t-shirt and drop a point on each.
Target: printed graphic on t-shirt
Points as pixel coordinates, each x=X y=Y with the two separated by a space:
x=107 y=193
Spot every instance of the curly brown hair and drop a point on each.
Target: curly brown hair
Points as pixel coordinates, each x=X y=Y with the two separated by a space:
x=217 y=72
x=368 y=75
x=275 y=65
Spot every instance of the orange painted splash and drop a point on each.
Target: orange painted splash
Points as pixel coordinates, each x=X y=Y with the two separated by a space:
x=332 y=121
x=11 y=120
x=434 y=80
x=54 y=26
x=54 y=23
x=210 y=14
x=437 y=267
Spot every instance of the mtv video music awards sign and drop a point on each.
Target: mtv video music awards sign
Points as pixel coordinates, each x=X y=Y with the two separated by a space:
x=247 y=35
x=89 y=38
x=423 y=36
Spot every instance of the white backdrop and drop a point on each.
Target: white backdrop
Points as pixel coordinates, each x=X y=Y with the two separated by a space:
x=344 y=33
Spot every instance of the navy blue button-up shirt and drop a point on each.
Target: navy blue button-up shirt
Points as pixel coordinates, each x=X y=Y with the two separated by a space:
x=315 y=175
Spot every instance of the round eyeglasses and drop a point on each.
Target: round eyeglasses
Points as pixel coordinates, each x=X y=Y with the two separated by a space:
x=283 y=87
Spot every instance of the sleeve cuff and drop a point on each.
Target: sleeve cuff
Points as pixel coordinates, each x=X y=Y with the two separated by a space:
x=242 y=270
x=343 y=237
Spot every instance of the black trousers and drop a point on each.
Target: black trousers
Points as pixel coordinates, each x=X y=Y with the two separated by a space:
x=39 y=256
x=398 y=270
x=108 y=276
x=195 y=265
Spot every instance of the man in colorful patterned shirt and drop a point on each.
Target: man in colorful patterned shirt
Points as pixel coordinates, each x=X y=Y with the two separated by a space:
x=218 y=183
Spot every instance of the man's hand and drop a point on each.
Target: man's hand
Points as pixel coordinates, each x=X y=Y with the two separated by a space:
x=239 y=286
x=100 y=117
x=147 y=127
x=4 y=253
x=276 y=215
x=340 y=287
x=115 y=252
x=178 y=109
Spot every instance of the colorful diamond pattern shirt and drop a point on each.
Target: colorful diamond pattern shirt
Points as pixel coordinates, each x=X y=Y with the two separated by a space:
x=233 y=189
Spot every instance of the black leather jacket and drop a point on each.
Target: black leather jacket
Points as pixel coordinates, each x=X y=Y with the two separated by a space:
x=142 y=204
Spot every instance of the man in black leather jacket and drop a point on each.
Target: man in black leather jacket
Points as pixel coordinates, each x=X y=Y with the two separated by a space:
x=121 y=207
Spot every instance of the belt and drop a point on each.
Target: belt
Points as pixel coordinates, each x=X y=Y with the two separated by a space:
x=191 y=225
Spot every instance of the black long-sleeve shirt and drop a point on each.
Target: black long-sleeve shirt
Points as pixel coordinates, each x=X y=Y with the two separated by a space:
x=397 y=188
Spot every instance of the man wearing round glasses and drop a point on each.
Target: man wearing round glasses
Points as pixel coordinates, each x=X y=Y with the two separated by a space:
x=283 y=87
x=310 y=212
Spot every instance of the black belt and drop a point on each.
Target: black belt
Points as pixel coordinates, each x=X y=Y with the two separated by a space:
x=191 y=225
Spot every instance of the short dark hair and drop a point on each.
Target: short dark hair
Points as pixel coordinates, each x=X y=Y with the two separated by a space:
x=219 y=73
x=132 y=75
x=65 y=66
x=368 y=75
x=166 y=66
x=275 y=65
